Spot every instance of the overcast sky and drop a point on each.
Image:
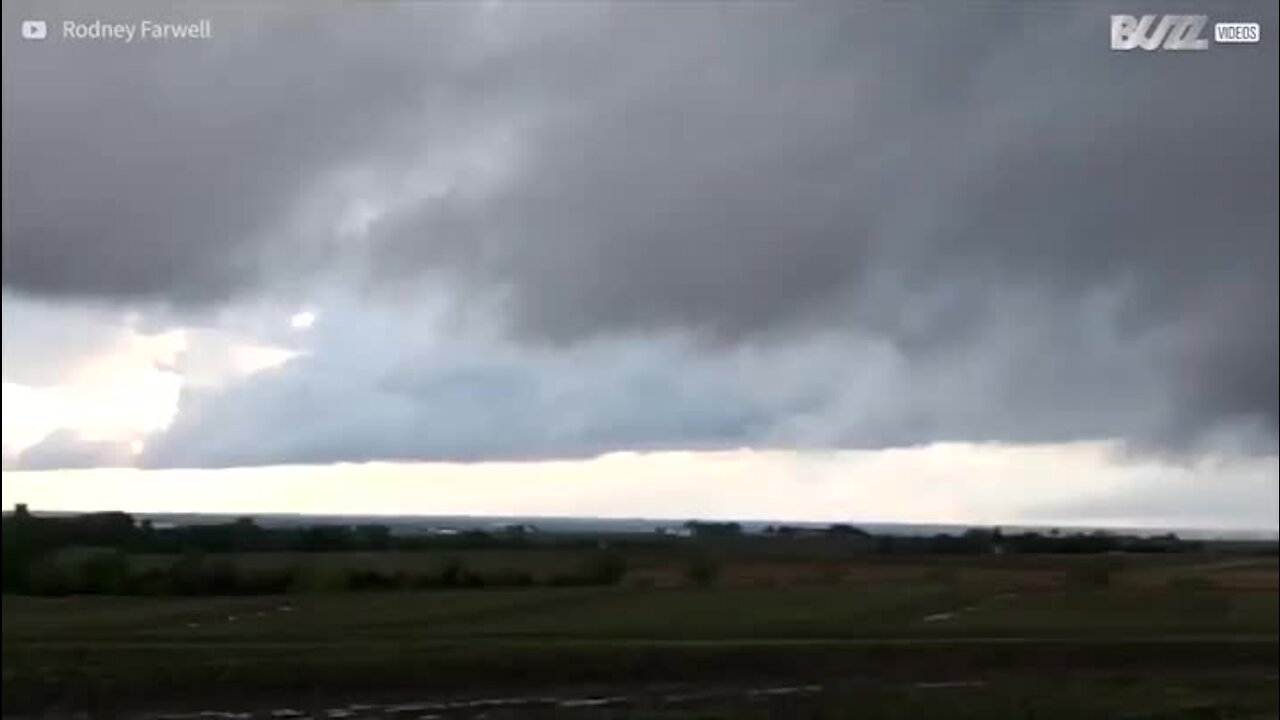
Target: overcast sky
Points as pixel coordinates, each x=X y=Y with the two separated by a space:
x=934 y=253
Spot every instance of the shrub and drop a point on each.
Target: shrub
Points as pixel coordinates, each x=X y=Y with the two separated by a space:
x=702 y=571
x=452 y=573
x=48 y=576
x=105 y=573
x=606 y=568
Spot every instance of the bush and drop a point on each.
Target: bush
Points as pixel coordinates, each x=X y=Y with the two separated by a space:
x=452 y=574
x=702 y=571
x=50 y=577
x=105 y=573
x=602 y=568
x=606 y=568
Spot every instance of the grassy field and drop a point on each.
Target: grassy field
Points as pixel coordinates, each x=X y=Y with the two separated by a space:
x=1169 y=636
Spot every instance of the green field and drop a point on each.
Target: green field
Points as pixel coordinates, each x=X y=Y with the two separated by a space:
x=1179 y=634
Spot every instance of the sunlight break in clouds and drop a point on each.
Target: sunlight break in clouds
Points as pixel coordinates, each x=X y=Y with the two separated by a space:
x=121 y=389
x=124 y=393
x=302 y=320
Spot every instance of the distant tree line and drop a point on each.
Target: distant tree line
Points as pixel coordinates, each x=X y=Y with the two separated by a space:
x=978 y=541
x=38 y=558
x=702 y=529
x=93 y=554
x=112 y=572
x=122 y=531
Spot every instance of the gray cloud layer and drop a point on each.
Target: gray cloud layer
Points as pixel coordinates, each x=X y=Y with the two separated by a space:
x=1016 y=232
x=169 y=171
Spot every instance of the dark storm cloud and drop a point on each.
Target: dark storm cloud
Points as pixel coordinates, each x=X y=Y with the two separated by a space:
x=907 y=170
x=168 y=170
x=1010 y=231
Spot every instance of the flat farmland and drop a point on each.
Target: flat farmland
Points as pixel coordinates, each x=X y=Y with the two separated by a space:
x=886 y=625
